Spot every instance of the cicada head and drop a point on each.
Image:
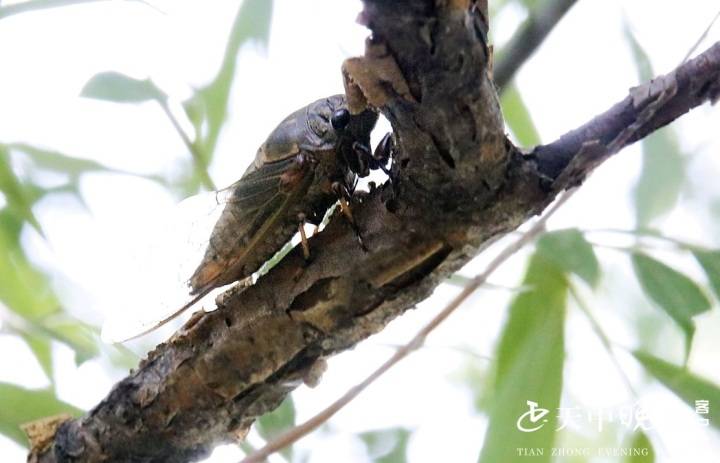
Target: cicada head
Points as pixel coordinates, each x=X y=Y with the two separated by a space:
x=349 y=130
x=325 y=125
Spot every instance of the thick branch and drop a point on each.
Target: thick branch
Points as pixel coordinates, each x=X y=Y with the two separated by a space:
x=528 y=39
x=457 y=185
x=646 y=109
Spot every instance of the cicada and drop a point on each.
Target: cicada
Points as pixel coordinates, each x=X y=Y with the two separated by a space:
x=309 y=161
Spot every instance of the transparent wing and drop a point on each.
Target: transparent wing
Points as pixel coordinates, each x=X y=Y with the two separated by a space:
x=170 y=248
x=255 y=209
x=179 y=242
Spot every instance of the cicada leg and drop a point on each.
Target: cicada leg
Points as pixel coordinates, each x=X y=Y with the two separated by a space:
x=383 y=152
x=377 y=159
x=343 y=197
x=303 y=237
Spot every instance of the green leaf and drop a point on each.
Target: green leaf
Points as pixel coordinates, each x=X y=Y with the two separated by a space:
x=19 y=406
x=643 y=66
x=59 y=162
x=272 y=424
x=529 y=367
x=641 y=443
x=120 y=356
x=689 y=387
x=663 y=165
x=570 y=251
x=518 y=116
x=18 y=197
x=73 y=166
x=37 y=5
x=662 y=176
x=42 y=349
x=387 y=445
x=23 y=289
x=79 y=336
x=710 y=262
x=674 y=292
x=479 y=380
x=117 y=87
x=28 y=293
x=210 y=103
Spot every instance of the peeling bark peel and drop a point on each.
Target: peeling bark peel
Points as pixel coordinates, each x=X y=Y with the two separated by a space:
x=459 y=184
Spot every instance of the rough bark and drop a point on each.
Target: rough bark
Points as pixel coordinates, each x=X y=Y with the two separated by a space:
x=458 y=184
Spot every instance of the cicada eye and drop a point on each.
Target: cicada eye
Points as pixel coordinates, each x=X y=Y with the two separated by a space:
x=340 y=119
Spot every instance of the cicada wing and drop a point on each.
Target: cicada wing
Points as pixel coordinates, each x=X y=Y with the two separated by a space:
x=170 y=247
x=258 y=204
x=206 y=223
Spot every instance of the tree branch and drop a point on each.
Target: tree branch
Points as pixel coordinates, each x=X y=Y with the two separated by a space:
x=528 y=39
x=301 y=430
x=458 y=184
x=646 y=109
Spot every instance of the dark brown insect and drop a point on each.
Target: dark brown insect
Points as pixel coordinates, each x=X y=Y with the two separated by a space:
x=311 y=160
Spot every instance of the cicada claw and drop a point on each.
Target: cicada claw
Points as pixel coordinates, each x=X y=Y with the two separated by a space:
x=343 y=197
x=383 y=153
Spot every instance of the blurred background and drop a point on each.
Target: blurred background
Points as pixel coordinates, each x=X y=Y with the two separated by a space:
x=113 y=112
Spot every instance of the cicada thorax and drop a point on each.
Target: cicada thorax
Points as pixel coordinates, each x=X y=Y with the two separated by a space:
x=292 y=177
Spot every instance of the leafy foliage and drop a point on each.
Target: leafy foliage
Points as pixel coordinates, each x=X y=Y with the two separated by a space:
x=641 y=441
x=18 y=197
x=37 y=314
x=570 y=251
x=113 y=86
x=531 y=347
x=387 y=445
x=673 y=291
x=710 y=262
x=517 y=116
x=663 y=168
x=207 y=109
x=38 y=5
x=36 y=404
x=663 y=165
x=689 y=387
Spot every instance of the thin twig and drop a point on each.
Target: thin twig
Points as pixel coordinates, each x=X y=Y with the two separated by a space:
x=458 y=349
x=701 y=38
x=197 y=155
x=528 y=39
x=458 y=280
x=652 y=234
x=609 y=347
x=604 y=339
x=301 y=430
